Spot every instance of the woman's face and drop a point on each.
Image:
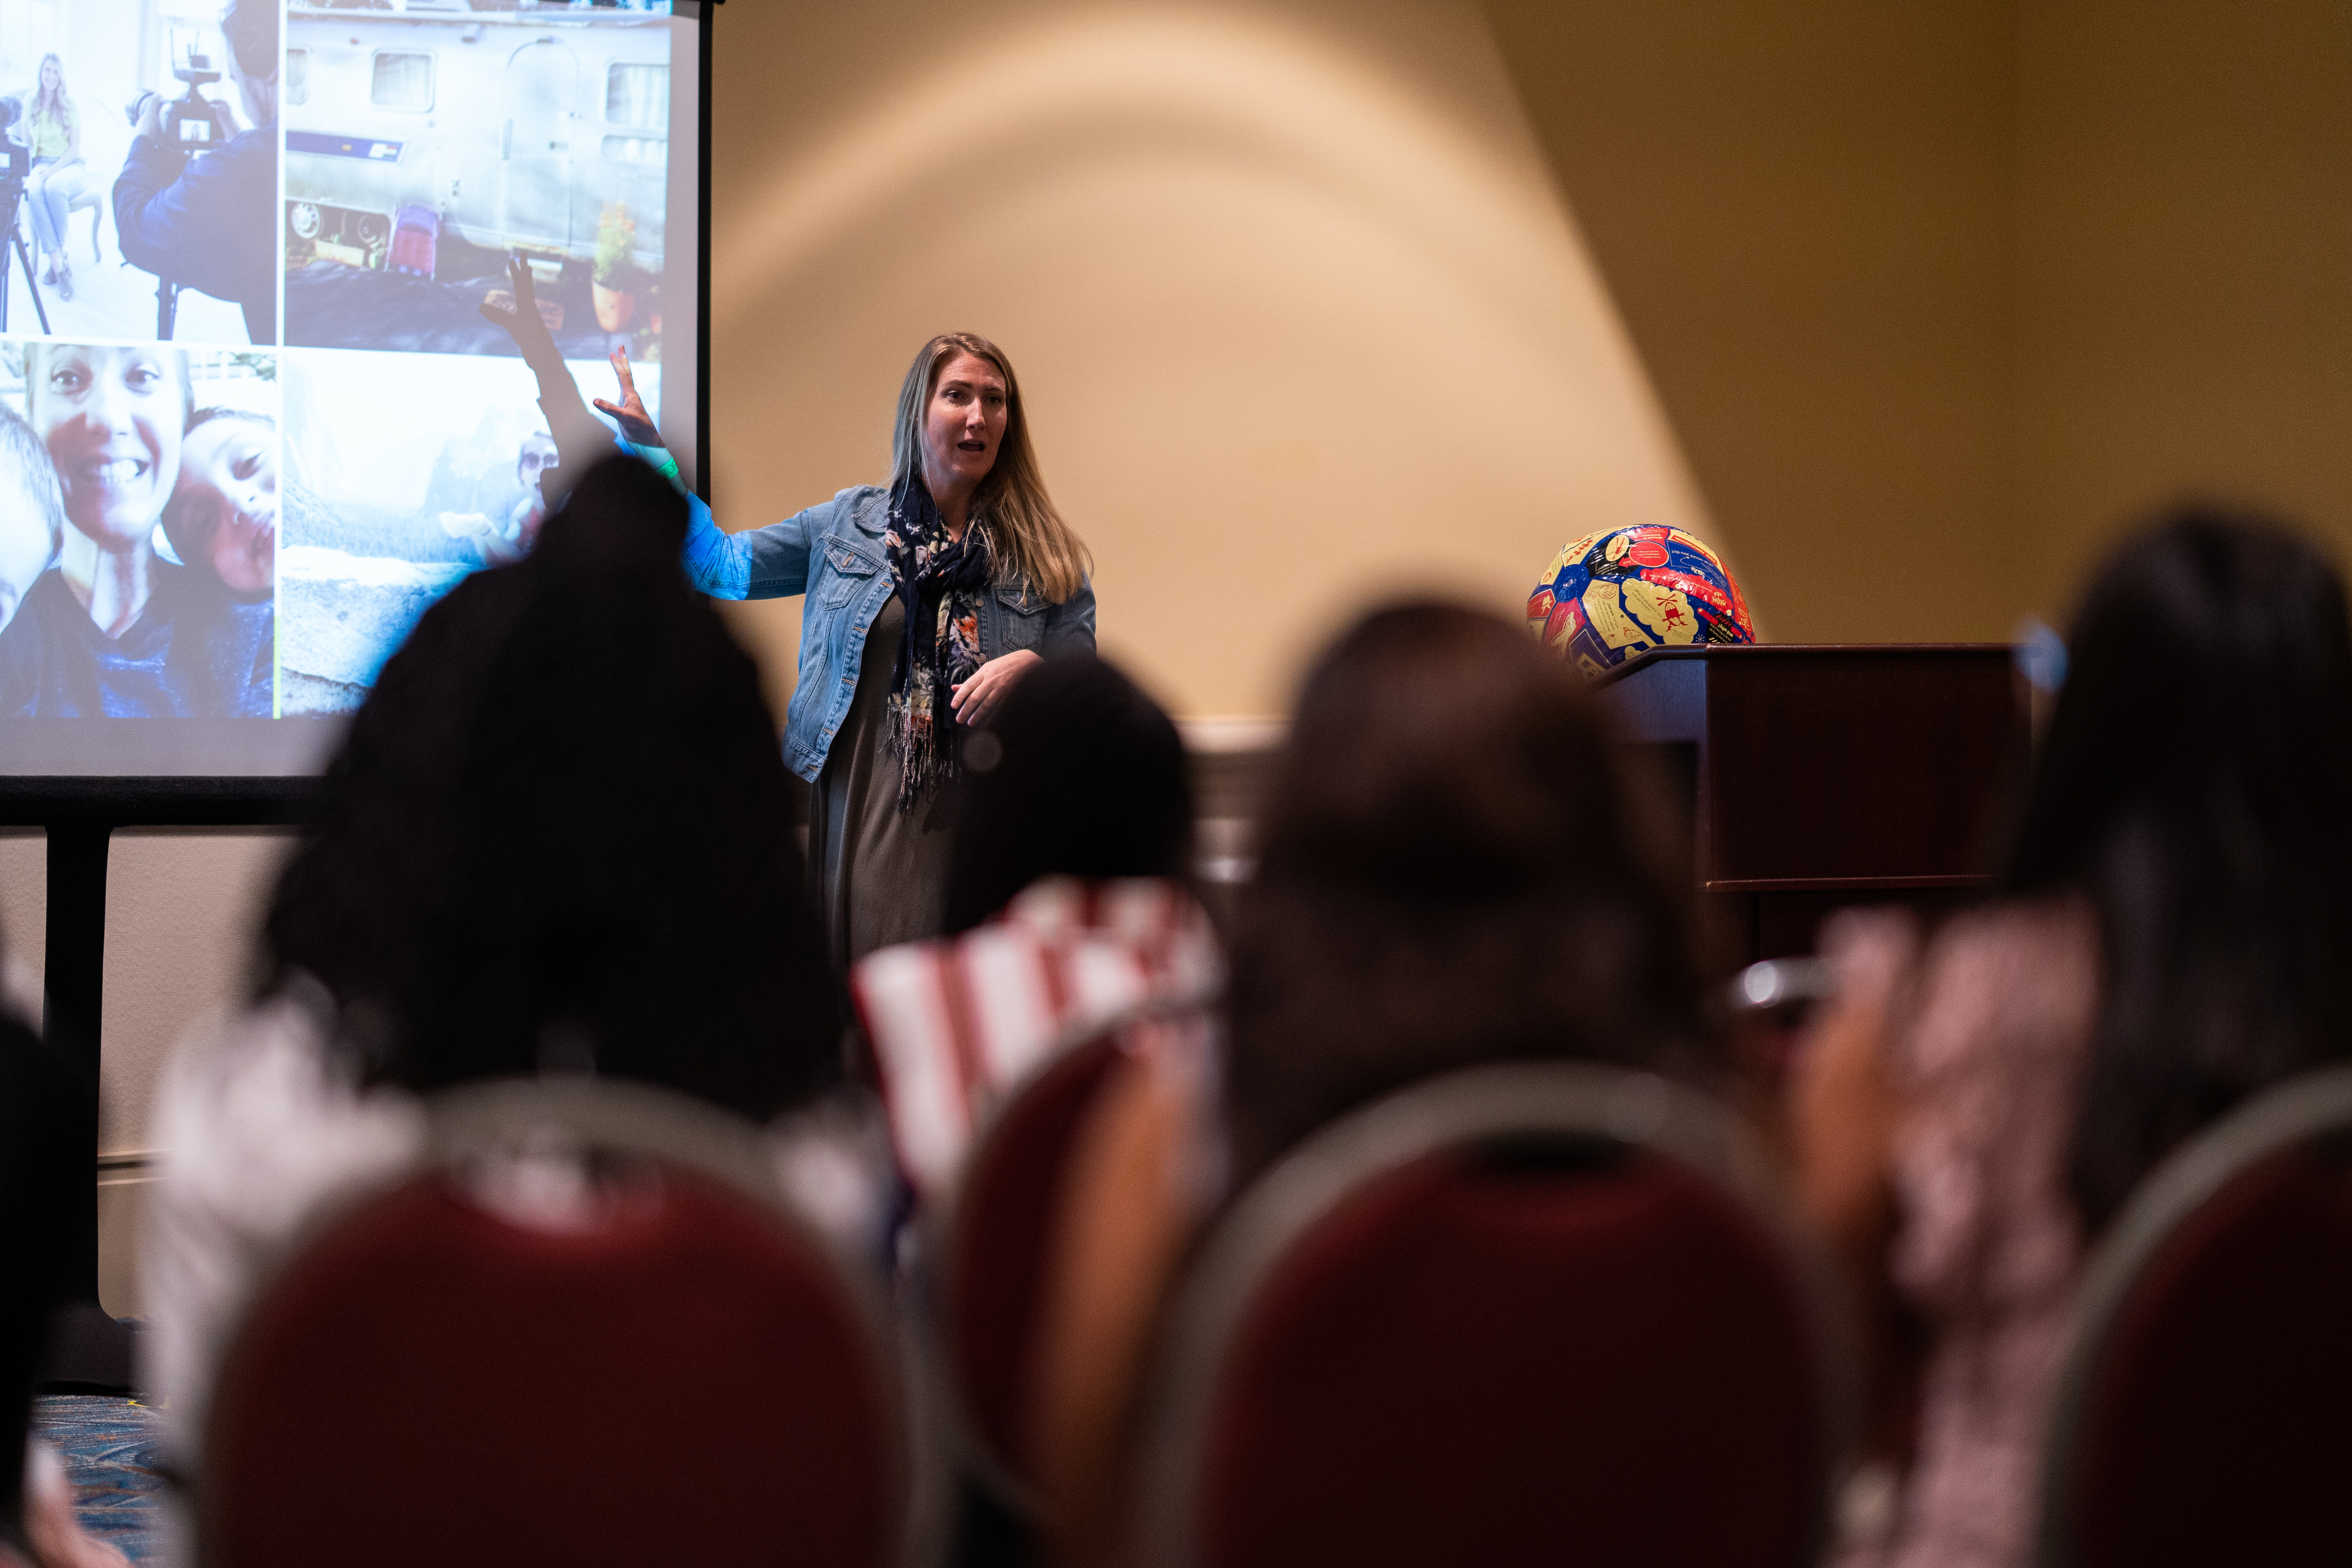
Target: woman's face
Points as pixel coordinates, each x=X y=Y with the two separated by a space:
x=538 y=457
x=227 y=495
x=964 y=423
x=112 y=419
x=51 y=76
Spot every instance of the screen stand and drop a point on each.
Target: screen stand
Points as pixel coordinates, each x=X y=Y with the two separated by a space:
x=87 y=1349
x=32 y=280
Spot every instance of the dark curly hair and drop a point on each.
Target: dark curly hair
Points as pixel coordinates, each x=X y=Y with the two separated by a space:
x=1085 y=778
x=2192 y=786
x=560 y=826
x=1456 y=867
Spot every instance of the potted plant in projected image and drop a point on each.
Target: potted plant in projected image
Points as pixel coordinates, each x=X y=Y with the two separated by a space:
x=615 y=280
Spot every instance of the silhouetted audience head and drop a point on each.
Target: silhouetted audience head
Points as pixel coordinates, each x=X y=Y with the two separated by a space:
x=559 y=833
x=1082 y=776
x=2193 y=783
x=1455 y=867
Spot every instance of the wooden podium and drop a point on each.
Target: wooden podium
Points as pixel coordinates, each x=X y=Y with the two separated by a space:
x=1824 y=775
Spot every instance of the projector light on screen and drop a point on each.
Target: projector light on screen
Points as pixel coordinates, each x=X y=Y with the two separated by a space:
x=241 y=455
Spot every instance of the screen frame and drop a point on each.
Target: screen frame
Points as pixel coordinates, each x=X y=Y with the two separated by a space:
x=102 y=802
x=703 y=12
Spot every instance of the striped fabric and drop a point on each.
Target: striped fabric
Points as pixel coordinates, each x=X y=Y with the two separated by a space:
x=958 y=1023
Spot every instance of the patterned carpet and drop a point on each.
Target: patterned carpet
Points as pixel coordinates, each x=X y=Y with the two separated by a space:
x=110 y=1450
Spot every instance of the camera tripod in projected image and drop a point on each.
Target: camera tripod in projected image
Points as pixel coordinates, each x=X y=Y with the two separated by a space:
x=13 y=253
x=191 y=123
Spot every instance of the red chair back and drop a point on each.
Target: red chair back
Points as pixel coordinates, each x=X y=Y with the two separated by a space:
x=2205 y=1414
x=996 y=1246
x=684 y=1376
x=1497 y=1320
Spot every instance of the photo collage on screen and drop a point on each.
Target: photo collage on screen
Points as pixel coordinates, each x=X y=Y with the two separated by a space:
x=253 y=420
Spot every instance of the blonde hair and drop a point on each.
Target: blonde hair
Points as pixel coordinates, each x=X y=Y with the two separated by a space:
x=1029 y=537
x=51 y=104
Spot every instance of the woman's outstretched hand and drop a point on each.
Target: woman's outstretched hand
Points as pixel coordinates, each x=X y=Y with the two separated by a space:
x=977 y=700
x=523 y=322
x=630 y=411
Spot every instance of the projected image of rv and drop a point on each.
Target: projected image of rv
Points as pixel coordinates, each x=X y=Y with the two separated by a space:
x=425 y=145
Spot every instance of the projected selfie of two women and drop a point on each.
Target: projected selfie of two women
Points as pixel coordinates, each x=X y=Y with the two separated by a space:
x=139 y=533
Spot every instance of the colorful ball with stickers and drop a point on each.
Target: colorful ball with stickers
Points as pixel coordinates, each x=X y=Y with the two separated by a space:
x=1616 y=595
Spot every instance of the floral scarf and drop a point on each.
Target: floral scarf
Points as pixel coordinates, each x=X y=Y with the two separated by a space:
x=940 y=581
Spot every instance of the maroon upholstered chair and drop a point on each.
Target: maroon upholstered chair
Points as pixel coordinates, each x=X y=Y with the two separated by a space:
x=996 y=1238
x=665 y=1366
x=1523 y=1314
x=2205 y=1412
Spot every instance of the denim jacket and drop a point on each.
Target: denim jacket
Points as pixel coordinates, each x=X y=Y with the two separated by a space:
x=833 y=552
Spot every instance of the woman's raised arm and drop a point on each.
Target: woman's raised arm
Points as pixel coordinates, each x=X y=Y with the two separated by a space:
x=767 y=563
x=580 y=440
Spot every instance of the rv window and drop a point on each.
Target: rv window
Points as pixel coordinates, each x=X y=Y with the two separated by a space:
x=297 y=75
x=403 y=82
x=637 y=95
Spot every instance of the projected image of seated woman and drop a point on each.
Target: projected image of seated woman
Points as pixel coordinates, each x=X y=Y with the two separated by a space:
x=150 y=133
x=115 y=629
x=926 y=598
x=58 y=174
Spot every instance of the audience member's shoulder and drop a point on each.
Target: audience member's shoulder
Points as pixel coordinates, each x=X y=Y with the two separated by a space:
x=2008 y=979
x=2057 y=932
x=253 y=1095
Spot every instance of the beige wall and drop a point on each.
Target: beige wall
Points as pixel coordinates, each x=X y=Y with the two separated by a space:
x=1296 y=308
x=1937 y=297
x=24 y=906
x=2184 y=266
x=1803 y=212
x=181 y=908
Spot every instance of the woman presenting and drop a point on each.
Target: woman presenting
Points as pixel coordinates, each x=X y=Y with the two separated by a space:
x=926 y=600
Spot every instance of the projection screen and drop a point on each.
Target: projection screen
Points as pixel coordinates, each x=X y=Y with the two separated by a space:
x=252 y=419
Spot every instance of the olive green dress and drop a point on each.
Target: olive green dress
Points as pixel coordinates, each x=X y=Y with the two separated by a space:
x=878 y=874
